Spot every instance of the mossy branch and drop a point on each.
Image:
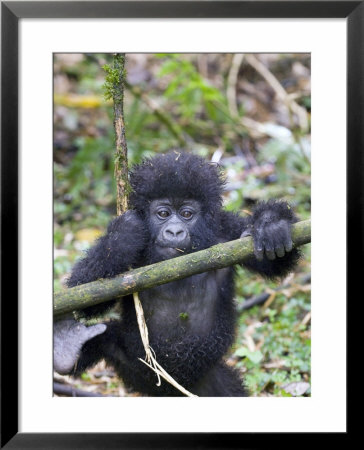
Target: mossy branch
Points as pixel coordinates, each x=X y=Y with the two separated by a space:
x=216 y=257
x=114 y=88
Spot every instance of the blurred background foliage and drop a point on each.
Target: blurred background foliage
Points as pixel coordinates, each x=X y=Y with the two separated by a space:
x=251 y=114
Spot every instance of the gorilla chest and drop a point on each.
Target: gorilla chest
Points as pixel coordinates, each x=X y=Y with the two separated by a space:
x=184 y=306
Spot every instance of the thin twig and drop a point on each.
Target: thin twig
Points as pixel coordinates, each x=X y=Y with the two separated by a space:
x=150 y=358
x=279 y=90
x=231 y=83
x=159 y=369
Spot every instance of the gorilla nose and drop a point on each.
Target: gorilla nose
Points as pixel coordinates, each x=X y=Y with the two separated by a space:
x=175 y=233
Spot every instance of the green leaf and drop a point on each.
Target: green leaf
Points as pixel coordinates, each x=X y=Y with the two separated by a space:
x=254 y=357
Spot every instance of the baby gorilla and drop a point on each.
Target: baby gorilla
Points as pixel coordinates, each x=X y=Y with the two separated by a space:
x=176 y=208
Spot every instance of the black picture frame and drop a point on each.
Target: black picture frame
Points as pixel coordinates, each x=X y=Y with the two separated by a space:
x=11 y=12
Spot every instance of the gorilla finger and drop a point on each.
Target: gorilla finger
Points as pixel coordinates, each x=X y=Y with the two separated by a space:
x=280 y=251
x=287 y=240
x=270 y=255
x=288 y=244
x=278 y=237
x=258 y=252
x=258 y=246
x=269 y=250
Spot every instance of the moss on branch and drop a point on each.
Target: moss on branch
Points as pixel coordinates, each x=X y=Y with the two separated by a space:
x=216 y=257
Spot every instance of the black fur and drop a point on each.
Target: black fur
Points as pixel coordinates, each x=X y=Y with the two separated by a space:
x=191 y=321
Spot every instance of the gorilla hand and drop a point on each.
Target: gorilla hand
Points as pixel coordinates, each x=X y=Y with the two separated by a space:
x=69 y=337
x=271 y=230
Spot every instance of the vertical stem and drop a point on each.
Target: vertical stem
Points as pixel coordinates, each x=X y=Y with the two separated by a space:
x=121 y=148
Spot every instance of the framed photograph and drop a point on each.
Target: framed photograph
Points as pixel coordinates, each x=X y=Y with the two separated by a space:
x=39 y=39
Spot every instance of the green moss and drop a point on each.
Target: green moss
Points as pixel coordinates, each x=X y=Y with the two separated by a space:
x=183 y=316
x=114 y=79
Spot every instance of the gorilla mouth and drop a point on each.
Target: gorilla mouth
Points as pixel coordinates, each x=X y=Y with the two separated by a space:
x=171 y=252
x=173 y=249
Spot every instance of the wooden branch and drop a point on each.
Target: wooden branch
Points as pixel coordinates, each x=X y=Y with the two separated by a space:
x=121 y=150
x=114 y=89
x=216 y=257
x=261 y=298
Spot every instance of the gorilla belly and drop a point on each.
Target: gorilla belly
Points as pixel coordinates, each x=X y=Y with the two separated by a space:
x=183 y=306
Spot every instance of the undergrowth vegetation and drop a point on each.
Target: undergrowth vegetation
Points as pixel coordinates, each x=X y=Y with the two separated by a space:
x=249 y=113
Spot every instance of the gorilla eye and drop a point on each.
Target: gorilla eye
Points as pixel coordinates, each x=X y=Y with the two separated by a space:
x=186 y=214
x=163 y=213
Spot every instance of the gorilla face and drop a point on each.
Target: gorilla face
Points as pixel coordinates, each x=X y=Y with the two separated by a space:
x=172 y=222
